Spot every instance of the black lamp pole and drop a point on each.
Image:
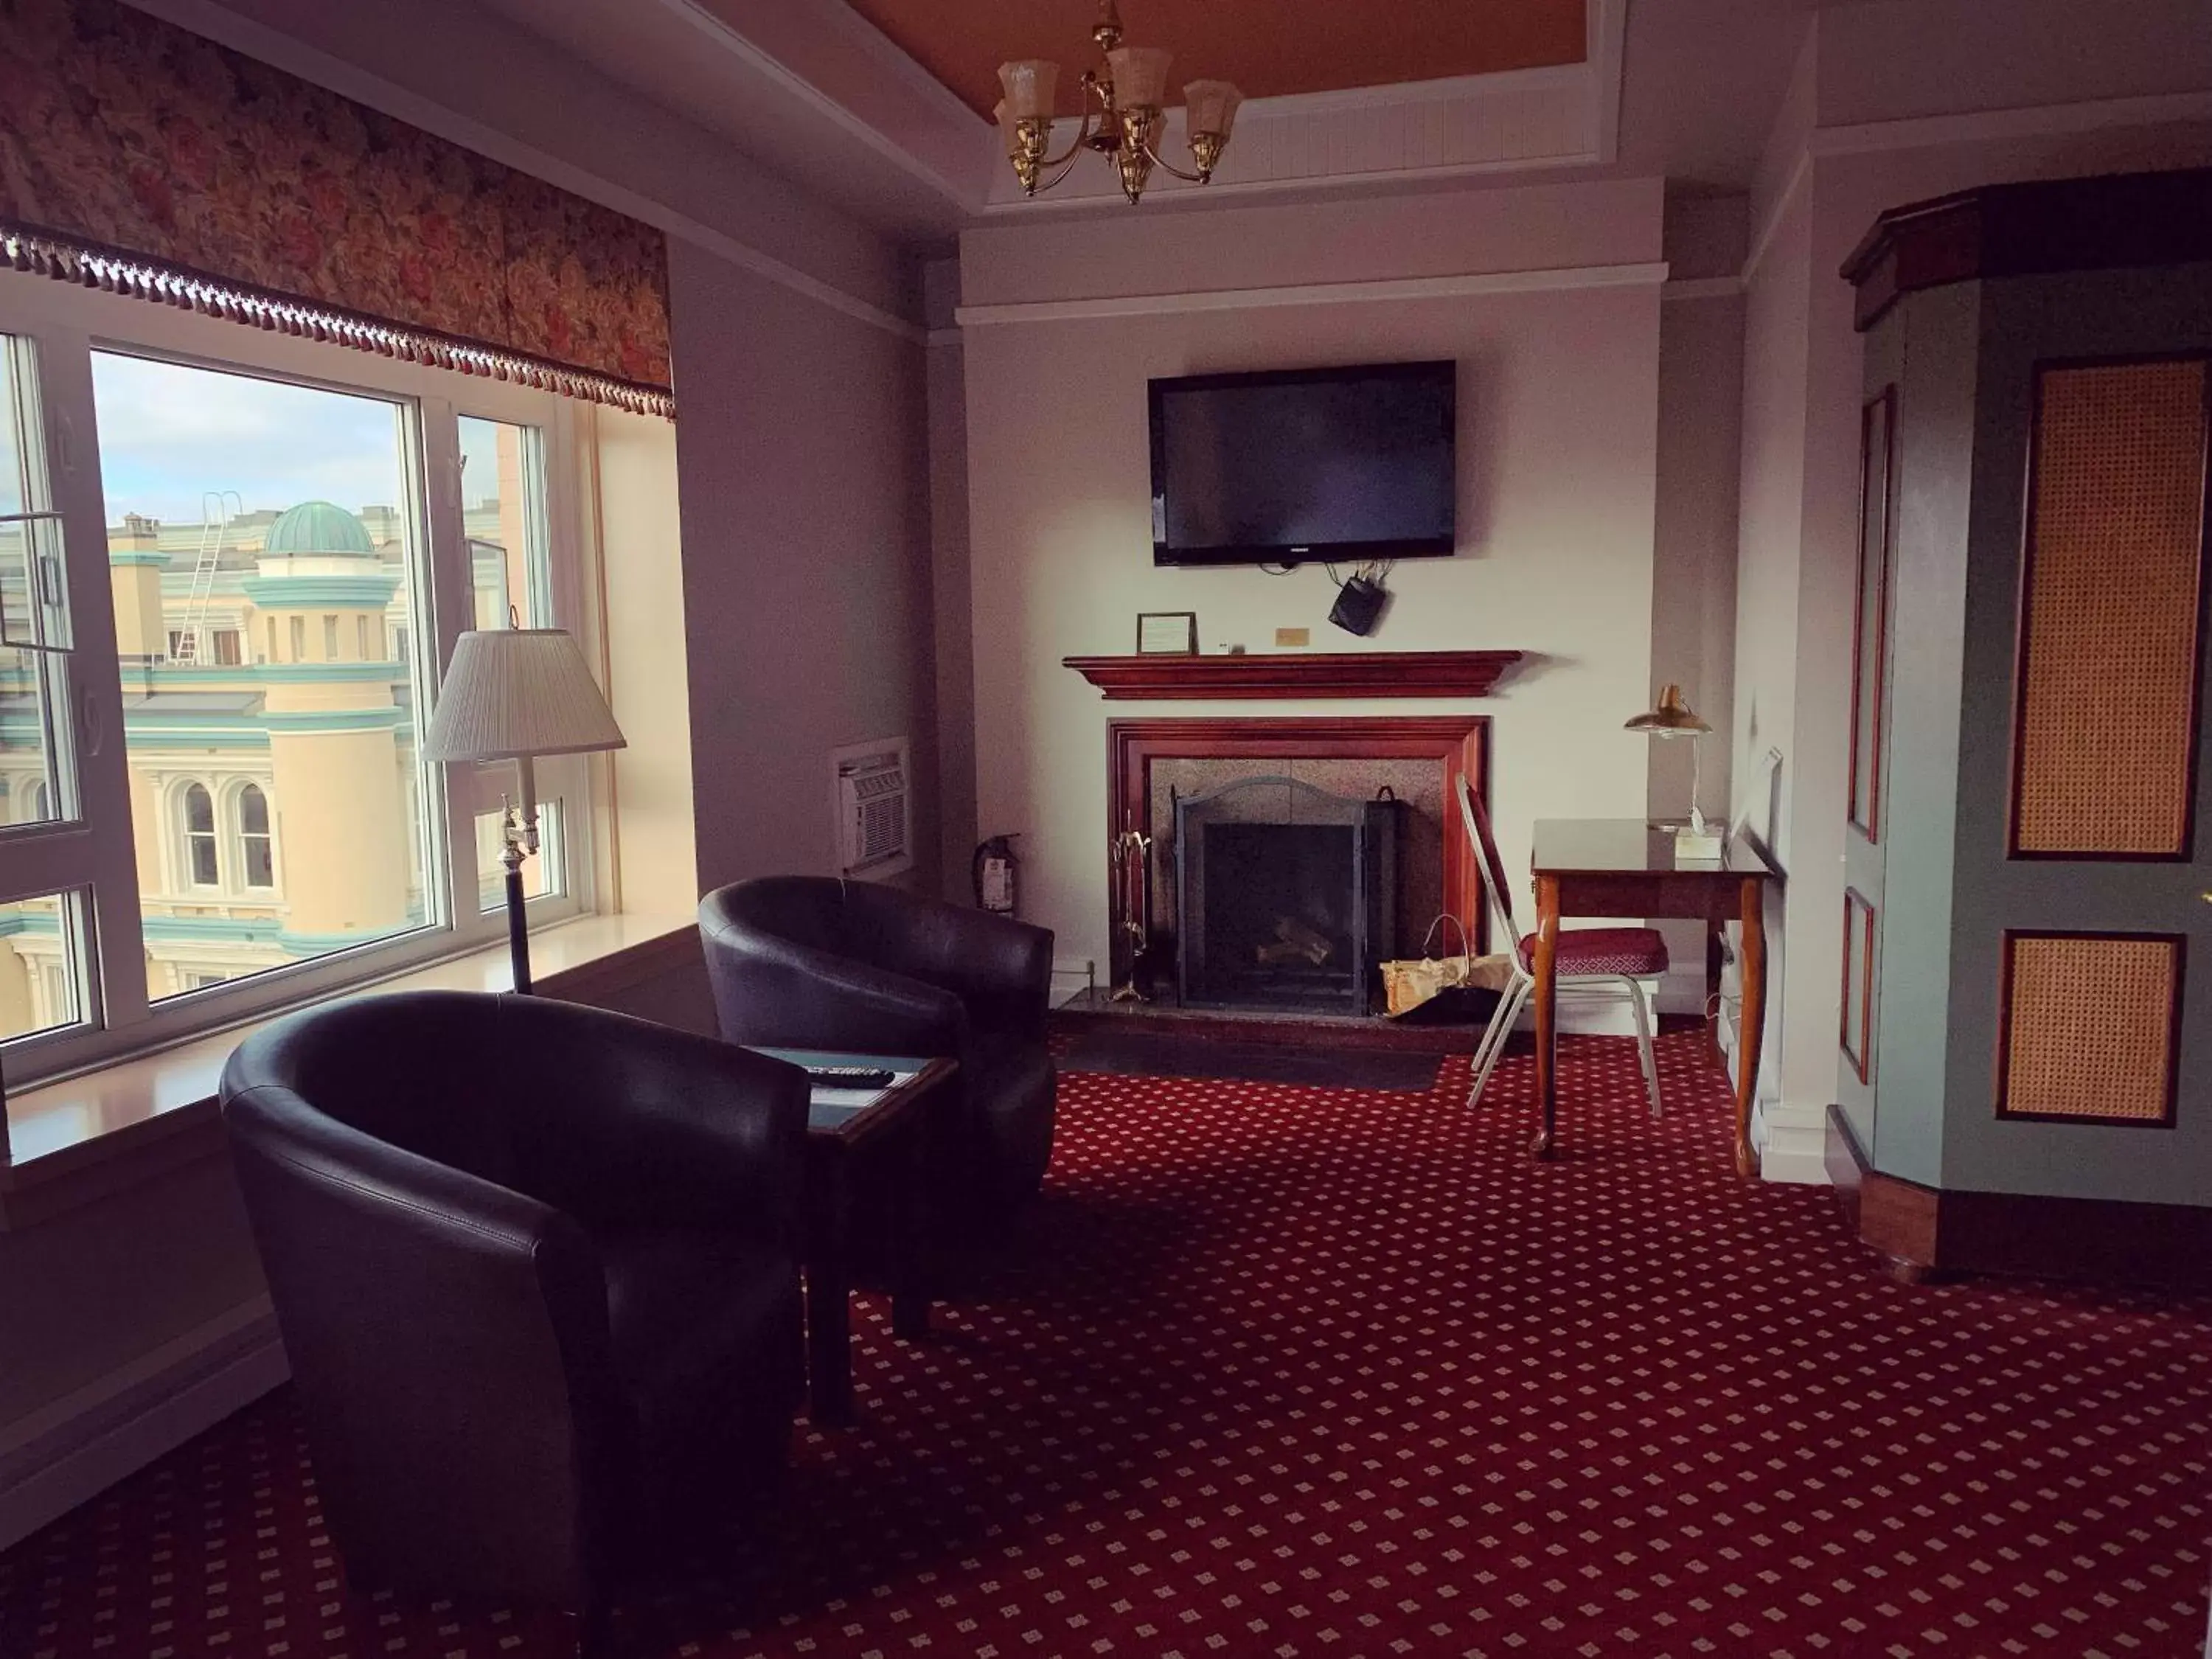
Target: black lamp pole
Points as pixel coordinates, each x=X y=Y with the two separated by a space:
x=518 y=919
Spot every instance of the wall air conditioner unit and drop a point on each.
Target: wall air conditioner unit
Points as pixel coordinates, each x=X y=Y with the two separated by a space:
x=875 y=808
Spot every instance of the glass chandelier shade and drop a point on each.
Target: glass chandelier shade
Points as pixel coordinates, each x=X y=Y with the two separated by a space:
x=1032 y=86
x=1140 y=76
x=1211 y=106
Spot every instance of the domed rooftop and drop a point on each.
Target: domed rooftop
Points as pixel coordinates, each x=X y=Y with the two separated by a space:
x=318 y=527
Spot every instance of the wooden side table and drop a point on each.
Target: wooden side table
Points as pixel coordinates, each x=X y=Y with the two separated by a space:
x=839 y=1139
x=1623 y=867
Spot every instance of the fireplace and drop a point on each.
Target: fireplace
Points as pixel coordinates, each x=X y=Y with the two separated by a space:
x=1156 y=767
x=1286 y=896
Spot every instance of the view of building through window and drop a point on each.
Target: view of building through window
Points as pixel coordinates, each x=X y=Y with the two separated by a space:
x=277 y=803
x=267 y=557
x=39 y=975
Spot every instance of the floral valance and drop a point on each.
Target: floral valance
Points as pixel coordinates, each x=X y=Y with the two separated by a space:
x=136 y=155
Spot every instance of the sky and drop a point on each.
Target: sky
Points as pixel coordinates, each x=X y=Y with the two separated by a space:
x=169 y=434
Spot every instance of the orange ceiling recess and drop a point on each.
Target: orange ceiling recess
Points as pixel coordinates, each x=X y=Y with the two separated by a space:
x=1268 y=47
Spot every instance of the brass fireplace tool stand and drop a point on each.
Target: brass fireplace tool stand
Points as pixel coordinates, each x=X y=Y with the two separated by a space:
x=1133 y=890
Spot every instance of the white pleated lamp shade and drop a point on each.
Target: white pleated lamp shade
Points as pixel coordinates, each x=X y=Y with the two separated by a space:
x=515 y=691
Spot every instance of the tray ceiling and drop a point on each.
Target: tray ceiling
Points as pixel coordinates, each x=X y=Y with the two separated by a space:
x=1269 y=48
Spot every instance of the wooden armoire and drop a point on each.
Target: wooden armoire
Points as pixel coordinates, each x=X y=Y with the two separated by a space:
x=2025 y=1066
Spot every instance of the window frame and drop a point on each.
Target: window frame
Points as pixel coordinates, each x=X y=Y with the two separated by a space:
x=93 y=851
x=189 y=835
x=241 y=838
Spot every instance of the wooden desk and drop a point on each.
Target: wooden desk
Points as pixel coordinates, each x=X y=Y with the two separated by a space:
x=1624 y=867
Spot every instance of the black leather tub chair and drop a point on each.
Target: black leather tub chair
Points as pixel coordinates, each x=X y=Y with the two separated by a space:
x=536 y=1268
x=812 y=961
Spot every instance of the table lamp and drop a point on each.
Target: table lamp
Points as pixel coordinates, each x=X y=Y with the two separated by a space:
x=1674 y=718
x=513 y=694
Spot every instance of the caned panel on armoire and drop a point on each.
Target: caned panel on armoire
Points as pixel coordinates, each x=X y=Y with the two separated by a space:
x=2112 y=594
x=2092 y=1027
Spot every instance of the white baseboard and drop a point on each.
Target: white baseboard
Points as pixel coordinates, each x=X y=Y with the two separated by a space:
x=1793 y=1145
x=84 y=1442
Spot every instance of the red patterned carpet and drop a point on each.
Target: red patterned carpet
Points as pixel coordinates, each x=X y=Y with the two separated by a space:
x=1300 y=1372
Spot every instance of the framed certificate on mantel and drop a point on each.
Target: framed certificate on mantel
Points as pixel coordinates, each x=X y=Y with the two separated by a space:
x=1167 y=632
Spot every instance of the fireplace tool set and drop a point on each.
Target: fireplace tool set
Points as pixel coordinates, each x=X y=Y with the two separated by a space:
x=1132 y=891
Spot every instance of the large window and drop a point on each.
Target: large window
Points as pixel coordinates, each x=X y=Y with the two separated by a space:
x=224 y=616
x=244 y=496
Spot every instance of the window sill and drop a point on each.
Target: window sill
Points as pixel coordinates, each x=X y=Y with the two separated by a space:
x=91 y=1135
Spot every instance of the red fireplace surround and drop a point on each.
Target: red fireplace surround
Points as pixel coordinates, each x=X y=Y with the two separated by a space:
x=1459 y=744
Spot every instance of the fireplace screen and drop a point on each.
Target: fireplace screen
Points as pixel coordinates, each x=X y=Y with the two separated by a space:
x=1286 y=897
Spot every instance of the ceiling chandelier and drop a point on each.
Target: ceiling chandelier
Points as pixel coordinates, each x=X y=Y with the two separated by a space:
x=1123 y=114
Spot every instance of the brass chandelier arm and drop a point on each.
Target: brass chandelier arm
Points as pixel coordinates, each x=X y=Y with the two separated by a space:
x=1166 y=166
x=1061 y=169
x=1058 y=165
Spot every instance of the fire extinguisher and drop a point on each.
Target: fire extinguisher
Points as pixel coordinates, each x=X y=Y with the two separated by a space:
x=996 y=875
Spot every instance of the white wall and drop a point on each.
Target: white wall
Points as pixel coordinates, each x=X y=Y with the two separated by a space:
x=656 y=854
x=951 y=614
x=806 y=579
x=1771 y=487
x=1694 y=576
x=1558 y=456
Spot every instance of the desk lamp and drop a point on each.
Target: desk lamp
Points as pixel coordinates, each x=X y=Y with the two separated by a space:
x=513 y=694
x=1674 y=718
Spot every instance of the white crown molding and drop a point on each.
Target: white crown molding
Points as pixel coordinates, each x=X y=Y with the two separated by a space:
x=1975 y=127
x=1995 y=125
x=220 y=24
x=889 y=55
x=1703 y=288
x=727 y=39
x=1315 y=293
x=748 y=257
x=1557 y=77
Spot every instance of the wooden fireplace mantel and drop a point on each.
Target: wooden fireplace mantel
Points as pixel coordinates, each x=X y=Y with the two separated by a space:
x=1297 y=674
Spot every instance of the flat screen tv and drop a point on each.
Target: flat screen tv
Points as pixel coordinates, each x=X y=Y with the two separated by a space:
x=1296 y=466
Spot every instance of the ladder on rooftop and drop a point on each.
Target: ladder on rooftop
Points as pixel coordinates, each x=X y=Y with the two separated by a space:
x=218 y=508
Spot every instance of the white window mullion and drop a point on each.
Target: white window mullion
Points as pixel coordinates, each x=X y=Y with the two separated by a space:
x=562 y=489
x=102 y=772
x=452 y=788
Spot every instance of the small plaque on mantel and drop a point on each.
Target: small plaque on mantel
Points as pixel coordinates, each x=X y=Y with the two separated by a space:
x=1167 y=634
